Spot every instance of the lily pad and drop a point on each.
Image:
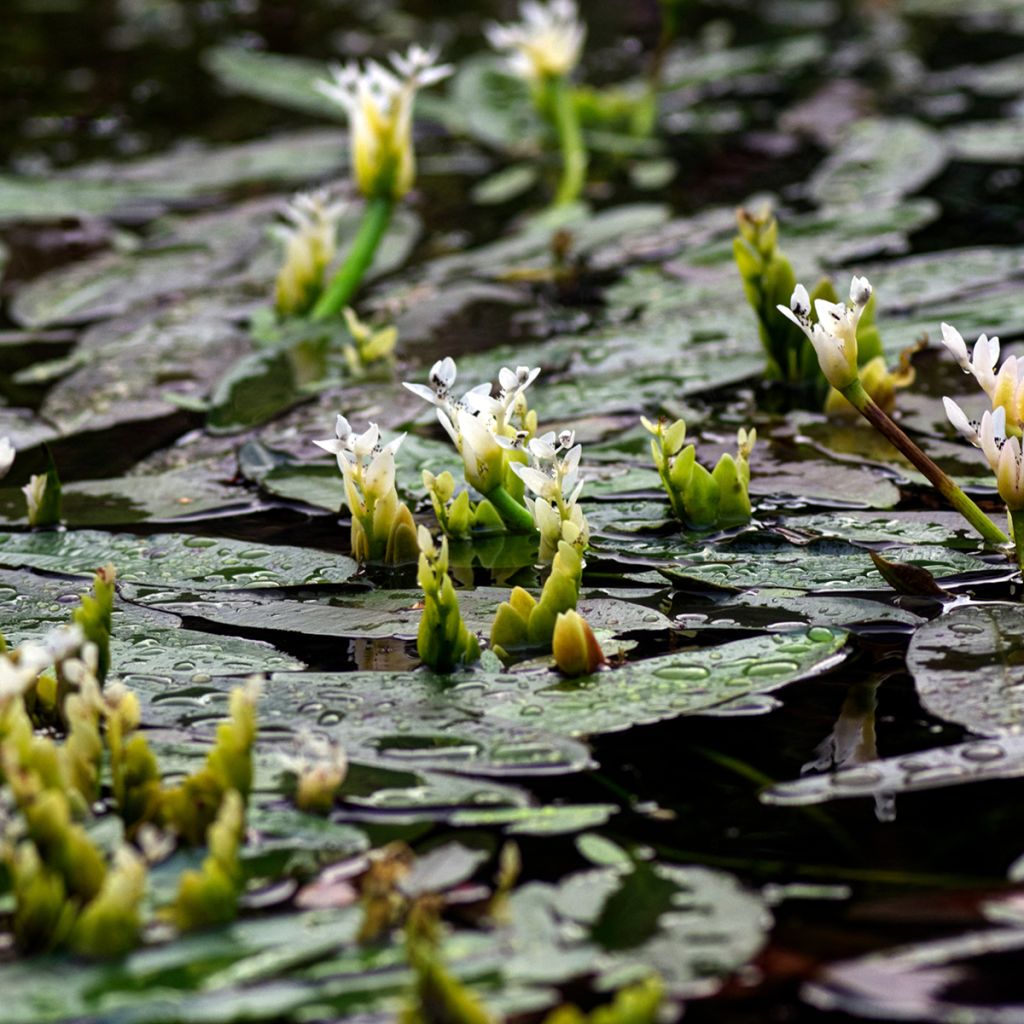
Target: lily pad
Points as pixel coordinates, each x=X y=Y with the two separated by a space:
x=174 y=559
x=879 y=161
x=825 y=565
x=967 y=668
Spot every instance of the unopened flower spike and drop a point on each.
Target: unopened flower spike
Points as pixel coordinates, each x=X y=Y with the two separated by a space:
x=544 y=48
x=382 y=525
x=6 y=456
x=309 y=237
x=379 y=103
x=699 y=497
x=443 y=641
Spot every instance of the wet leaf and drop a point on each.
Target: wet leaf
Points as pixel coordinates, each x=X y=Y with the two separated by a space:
x=169 y=559
x=968 y=668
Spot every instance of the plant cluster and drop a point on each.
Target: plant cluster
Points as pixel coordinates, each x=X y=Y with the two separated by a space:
x=67 y=892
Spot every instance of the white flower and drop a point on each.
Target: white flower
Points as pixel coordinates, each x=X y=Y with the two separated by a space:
x=439 y=392
x=554 y=478
x=379 y=106
x=6 y=456
x=965 y=427
x=483 y=458
x=309 y=240
x=548 y=41
x=1004 y=456
x=367 y=466
x=834 y=335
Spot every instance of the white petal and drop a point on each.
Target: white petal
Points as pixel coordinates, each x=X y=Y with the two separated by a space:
x=443 y=373
x=954 y=341
x=332 y=445
x=542 y=449
x=959 y=419
x=860 y=291
x=364 y=444
x=800 y=301
x=341 y=428
x=421 y=391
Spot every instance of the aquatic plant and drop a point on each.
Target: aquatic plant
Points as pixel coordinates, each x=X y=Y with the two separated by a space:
x=309 y=239
x=383 y=529
x=769 y=282
x=443 y=641
x=553 y=476
x=544 y=49
x=488 y=432
x=834 y=337
x=378 y=102
x=998 y=434
x=209 y=896
x=315 y=771
x=700 y=498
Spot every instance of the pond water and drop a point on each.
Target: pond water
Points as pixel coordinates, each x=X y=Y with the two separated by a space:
x=794 y=794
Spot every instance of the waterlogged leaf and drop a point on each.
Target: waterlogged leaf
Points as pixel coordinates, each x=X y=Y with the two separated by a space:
x=550 y=820
x=688 y=66
x=665 y=687
x=112 y=283
x=195 y=493
x=987 y=142
x=709 y=927
x=174 y=559
x=412 y=721
x=932 y=527
x=142 y=189
x=778 y=609
x=879 y=161
x=975 y=761
x=968 y=668
x=825 y=565
x=929 y=981
x=285 y=81
x=143 y=641
x=381 y=614
x=505 y=185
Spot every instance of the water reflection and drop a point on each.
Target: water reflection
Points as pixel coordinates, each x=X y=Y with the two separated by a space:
x=852 y=741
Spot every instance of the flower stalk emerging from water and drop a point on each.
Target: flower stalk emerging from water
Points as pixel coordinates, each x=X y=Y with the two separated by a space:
x=379 y=102
x=544 y=49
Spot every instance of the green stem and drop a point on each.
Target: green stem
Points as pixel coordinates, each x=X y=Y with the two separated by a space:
x=343 y=285
x=570 y=138
x=856 y=395
x=1017 y=519
x=514 y=515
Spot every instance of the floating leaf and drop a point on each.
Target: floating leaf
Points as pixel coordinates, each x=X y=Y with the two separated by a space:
x=169 y=559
